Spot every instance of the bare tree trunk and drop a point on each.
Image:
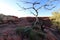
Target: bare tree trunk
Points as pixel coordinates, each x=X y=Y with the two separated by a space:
x=37 y=20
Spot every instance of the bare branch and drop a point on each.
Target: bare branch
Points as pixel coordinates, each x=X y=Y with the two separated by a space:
x=49 y=8
x=31 y=2
x=27 y=8
x=52 y=1
x=40 y=7
x=47 y=4
x=33 y=13
x=27 y=2
x=20 y=6
x=23 y=7
x=36 y=3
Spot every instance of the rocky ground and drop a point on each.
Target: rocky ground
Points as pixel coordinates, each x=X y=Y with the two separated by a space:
x=7 y=30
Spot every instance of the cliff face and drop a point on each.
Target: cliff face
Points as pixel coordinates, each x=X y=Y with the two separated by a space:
x=44 y=20
x=25 y=21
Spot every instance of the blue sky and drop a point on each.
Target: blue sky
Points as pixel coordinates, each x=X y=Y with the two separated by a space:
x=9 y=7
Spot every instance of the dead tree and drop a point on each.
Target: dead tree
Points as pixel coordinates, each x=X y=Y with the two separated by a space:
x=46 y=6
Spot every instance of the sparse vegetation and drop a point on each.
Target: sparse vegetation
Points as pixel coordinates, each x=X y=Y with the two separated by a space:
x=55 y=19
x=31 y=33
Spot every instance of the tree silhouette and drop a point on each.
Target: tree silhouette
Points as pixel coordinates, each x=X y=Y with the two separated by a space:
x=48 y=5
